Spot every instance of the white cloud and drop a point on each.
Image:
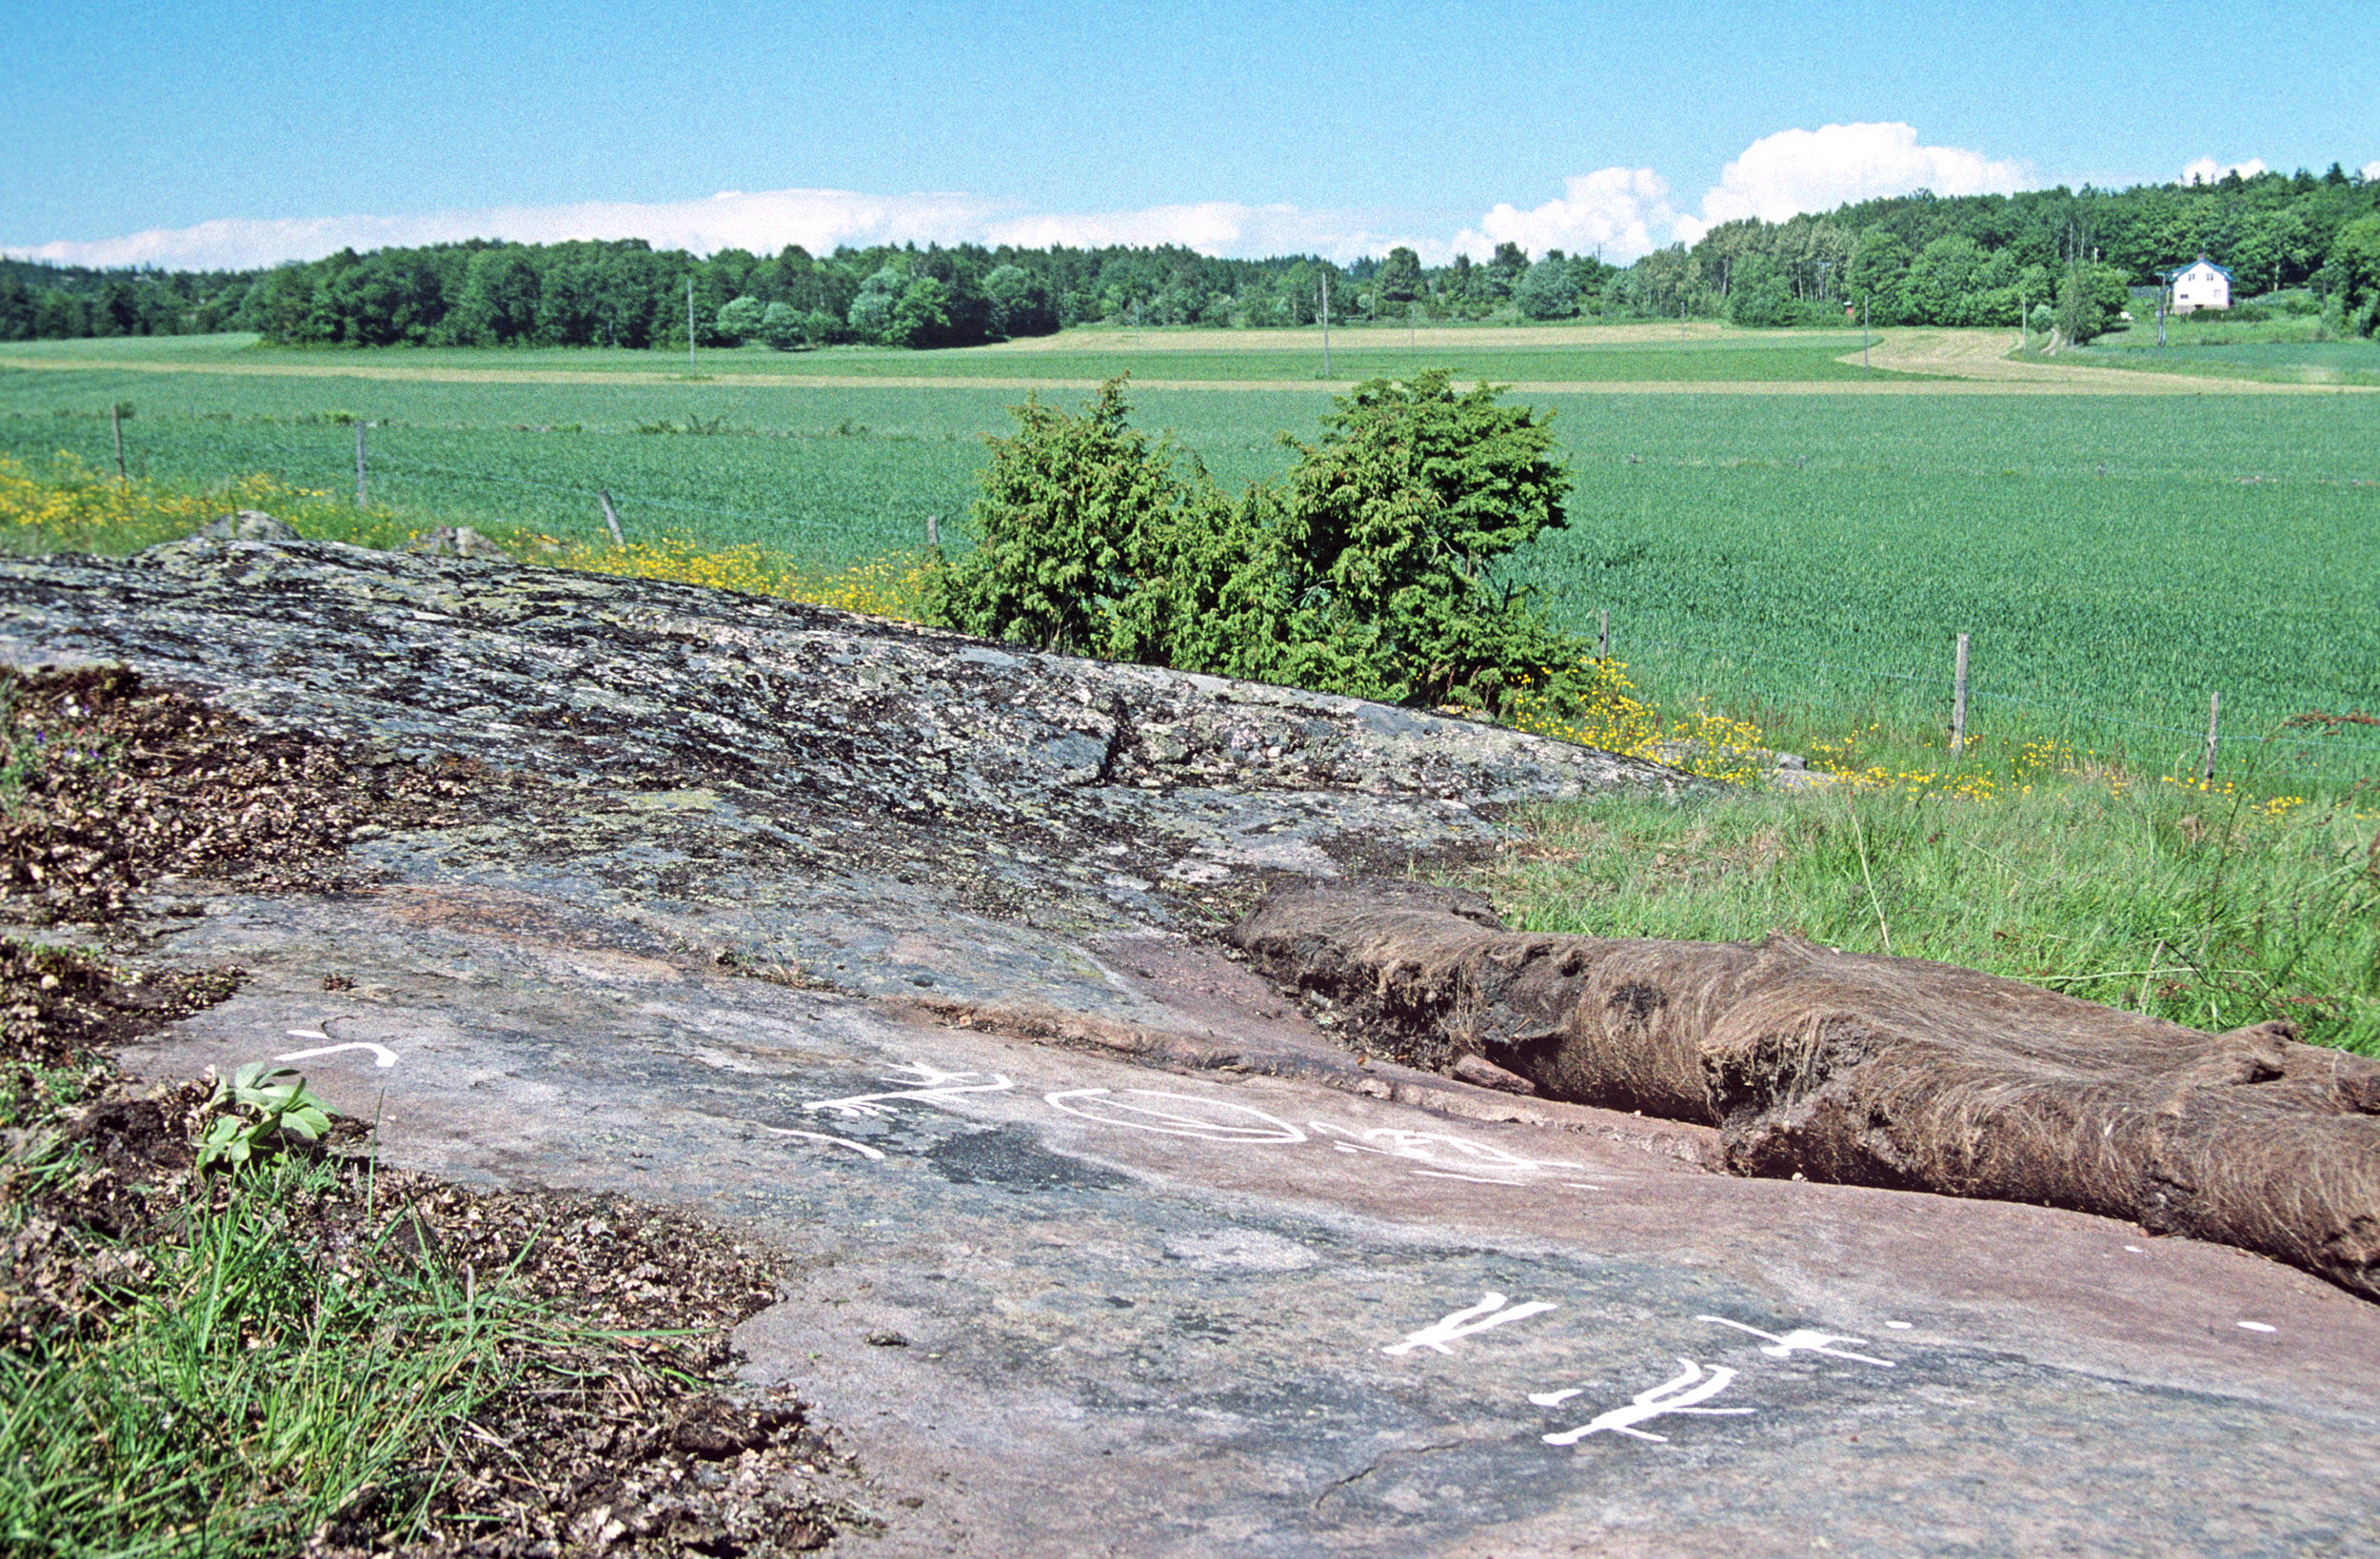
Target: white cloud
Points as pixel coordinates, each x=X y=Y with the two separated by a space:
x=2371 y=170
x=1798 y=170
x=1626 y=213
x=1621 y=212
x=1618 y=212
x=818 y=220
x=1218 y=228
x=2206 y=170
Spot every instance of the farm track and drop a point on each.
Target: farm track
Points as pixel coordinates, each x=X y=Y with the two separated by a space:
x=1960 y=363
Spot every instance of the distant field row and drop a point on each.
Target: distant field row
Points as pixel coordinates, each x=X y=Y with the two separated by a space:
x=1670 y=354
x=2118 y=556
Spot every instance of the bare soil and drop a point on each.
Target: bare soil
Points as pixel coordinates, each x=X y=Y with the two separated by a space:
x=614 y=1443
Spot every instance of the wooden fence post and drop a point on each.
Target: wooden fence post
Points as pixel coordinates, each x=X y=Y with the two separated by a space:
x=115 y=423
x=611 y=520
x=2214 y=712
x=359 y=468
x=1604 y=636
x=933 y=530
x=1958 y=698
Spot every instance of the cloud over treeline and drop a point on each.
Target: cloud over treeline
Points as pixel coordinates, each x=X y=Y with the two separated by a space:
x=1621 y=213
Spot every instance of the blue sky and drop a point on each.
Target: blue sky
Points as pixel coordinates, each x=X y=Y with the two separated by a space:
x=235 y=133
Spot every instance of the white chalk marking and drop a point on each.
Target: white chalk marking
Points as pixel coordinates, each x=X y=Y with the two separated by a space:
x=1679 y=1393
x=1110 y=1111
x=306 y=1033
x=1475 y=1179
x=2256 y=1326
x=1554 y=1399
x=1899 y=1325
x=1489 y=1311
x=1581 y=1185
x=1800 y=1340
x=860 y=1148
x=382 y=1055
x=2136 y=1249
x=1438 y=1149
x=932 y=1086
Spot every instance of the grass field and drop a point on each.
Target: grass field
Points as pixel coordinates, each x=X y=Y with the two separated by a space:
x=2210 y=350
x=1803 y=558
x=1686 y=353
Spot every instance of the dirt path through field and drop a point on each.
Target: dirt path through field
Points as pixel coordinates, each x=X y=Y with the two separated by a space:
x=1981 y=357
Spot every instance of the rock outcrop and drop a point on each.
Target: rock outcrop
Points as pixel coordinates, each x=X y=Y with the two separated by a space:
x=768 y=778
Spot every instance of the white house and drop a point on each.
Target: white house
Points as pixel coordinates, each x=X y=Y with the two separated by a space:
x=2202 y=284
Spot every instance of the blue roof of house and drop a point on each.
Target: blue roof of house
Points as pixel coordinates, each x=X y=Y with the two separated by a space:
x=2202 y=260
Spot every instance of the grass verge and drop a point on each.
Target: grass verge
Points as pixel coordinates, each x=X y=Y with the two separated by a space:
x=2203 y=908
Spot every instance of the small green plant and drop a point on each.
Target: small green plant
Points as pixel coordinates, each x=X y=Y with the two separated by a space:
x=259 y=1102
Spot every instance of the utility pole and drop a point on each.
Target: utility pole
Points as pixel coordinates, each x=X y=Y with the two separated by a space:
x=1863 y=333
x=2023 y=322
x=1326 y=324
x=689 y=323
x=359 y=465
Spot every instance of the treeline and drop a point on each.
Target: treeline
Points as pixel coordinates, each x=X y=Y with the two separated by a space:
x=627 y=293
x=2073 y=257
x=2067 y=259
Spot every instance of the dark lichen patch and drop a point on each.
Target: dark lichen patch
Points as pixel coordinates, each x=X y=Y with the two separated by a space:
x=1014 y=1158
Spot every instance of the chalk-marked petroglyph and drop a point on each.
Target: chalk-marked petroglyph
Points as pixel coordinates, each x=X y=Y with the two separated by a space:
x=2256 y=1326
x=382 y=1055
x=1450 y=1158
x=860 y=1148
x=1222 y=1121
x=1554 y=1399
x=932 y=1085
x=1679 y=1393
x=1800 y=1340
x=1490 y=1312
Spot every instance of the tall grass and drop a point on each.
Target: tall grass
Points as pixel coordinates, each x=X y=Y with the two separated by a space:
x=2202 y=907
x=252 y=1383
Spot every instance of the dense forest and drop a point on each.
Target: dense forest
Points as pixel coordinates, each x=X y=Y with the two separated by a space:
x=2064 y=259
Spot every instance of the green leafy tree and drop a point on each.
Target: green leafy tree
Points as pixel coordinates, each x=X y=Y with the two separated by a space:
x=1945 y=273
x=783 y=326
x=920 y=315
x=1016 y=304
x=1399 y=281
x=2088 y=297
x=1760 y=294
x=1878 y=277
x=499 y=303
x=1547 y=290
x=2352 y=274
x=739 y=319
x=1505 y=268
x=871 y=312
x=16 y=308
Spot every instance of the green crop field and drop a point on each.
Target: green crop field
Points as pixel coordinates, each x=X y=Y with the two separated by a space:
x=2115 y=557
x=1691 y=354
x=2276 y=361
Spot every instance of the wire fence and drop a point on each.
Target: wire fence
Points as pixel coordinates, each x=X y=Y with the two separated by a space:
x=2246 y=746
x=2254 y=741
